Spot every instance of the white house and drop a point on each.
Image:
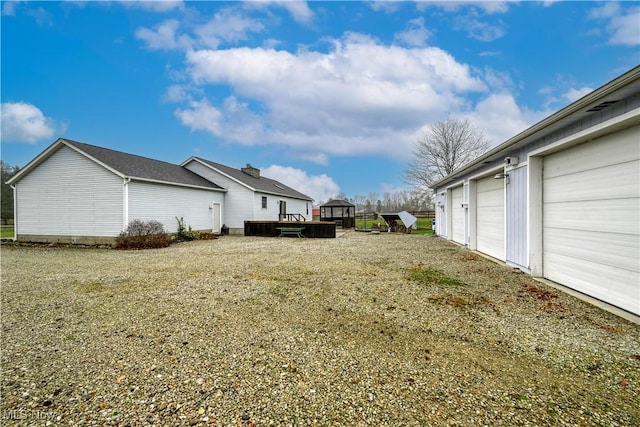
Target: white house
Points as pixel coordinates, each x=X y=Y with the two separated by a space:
x=560 y=200
x=80 y=193
x=252 y=197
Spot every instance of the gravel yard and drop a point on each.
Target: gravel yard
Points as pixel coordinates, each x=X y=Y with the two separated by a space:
x=360 y=330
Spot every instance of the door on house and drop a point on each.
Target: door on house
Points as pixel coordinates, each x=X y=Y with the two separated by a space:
x=216 y=212
x=283 y=210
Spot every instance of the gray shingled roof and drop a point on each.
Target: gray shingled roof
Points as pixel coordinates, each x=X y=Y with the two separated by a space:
x=262 y=184
x=133 y=166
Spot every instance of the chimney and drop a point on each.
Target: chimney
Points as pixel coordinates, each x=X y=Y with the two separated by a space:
x=251 y=171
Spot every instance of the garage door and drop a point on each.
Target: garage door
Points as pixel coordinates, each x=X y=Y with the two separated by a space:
x=457 y=215
x=591 y=214
x=490 y=217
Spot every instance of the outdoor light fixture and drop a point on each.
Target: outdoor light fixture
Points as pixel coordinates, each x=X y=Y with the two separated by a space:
x=501 y=176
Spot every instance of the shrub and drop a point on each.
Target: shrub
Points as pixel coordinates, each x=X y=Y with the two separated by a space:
x=184 y=233
x=143 y=235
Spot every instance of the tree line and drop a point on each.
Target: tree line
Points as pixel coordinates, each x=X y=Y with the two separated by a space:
x=6 y=196
x=446 y=145
x=396 y=201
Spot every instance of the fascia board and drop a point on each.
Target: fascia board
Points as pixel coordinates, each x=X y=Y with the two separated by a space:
x=157 y=181
x=628 y=119
x=288 y=196
x=567 y=111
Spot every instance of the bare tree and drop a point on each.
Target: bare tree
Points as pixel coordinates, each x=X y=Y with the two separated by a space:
x=445 y=147
x=359 y=200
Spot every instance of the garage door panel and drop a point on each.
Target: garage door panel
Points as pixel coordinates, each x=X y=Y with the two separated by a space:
x=617 y=148
x=492 y=214
x=491 y=200
x=611 y=216
x=596 y=184
x=614 y=285
x=591 y=218
x=490 y=217
x=595 y=247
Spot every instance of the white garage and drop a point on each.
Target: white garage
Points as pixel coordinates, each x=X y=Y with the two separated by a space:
x=457 y=215
x=591 y=218
x=490 y=217
x=569 y=208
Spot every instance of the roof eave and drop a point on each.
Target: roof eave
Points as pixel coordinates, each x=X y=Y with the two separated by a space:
x=177 y=184
x=565 y=112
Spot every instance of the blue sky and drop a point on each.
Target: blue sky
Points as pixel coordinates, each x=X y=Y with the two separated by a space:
x=326 y=97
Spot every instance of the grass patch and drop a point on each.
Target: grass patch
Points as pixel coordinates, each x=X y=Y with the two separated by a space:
x=6 y=233
x=423 y=225
x=431 y=276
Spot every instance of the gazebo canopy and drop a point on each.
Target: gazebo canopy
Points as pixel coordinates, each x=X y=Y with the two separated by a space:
x=340 y=211
x=338 y=203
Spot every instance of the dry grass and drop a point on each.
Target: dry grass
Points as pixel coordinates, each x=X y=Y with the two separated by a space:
x=359 y=330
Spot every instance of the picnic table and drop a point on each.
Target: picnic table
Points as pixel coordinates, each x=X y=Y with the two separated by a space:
x=290 y=231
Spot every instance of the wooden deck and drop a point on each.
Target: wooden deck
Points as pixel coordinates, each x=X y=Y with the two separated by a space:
x=312 y=229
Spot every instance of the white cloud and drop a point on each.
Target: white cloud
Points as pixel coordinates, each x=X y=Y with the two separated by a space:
x=201 y=116
x=605 y=10
x=478 y=29
x=500 y=118
x=24 y=122
x=623 y=24
x=625 y=29
x=575 y=94
x=387 y=6
x=155 y=5
x=360 y=98
x=164 y=36
x=299 y=10
x=226 y=26
x=318 y=187
x=178 y=93
x=416 y=34
x=9 y=7
x=489 y=7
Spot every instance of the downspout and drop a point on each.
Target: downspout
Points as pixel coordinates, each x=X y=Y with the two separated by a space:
x=15 y=212
x=125 y=203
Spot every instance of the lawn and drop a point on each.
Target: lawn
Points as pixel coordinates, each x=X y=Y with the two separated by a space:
x=6 y=232
x=423 y=225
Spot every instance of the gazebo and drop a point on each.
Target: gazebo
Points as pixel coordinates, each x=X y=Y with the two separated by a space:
x=340 y=211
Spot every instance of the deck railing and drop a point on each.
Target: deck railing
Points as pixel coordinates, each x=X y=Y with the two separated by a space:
x=291 y=217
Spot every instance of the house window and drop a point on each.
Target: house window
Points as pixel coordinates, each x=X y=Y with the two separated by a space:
x=307 y=206
x=264 y=202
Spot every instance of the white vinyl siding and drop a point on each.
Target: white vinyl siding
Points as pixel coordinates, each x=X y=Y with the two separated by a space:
x=297 y=206
x=239 y=204
x=70 y=195
x=457 y=215
x=490 y=217
x=272 y=213
x=160 y=202
x=243 y=204
x=591 y=217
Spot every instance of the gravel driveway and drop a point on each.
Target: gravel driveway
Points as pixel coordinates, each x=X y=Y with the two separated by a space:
x=359 y=330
